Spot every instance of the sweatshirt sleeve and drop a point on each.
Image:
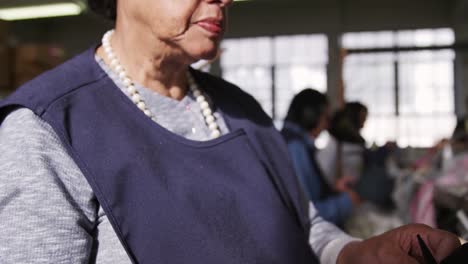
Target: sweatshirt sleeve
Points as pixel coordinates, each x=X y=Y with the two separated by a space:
x=326 y=239
x=47 y=209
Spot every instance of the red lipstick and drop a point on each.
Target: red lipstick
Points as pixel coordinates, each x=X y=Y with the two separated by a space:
x=212 y=25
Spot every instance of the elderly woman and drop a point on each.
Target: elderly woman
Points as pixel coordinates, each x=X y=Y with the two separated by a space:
x=126 y=154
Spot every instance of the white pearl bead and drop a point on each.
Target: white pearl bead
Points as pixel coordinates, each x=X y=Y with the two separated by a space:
x=122 y=75
x=127 y=82
x=147 y=113
x=207 y=112
x=213 y=126
x=131 y=89
x=209 y=119
x=196 y=93
x=201 y=99
x=215 y=134
x=136 y=98
x=142 y=106
x=114 y=63
x=204 y=105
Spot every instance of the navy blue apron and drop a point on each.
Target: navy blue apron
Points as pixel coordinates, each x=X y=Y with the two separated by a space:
x=233 y=199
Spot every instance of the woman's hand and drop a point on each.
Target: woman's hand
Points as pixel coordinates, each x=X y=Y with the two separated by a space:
x=345 y=185
x=400 y=246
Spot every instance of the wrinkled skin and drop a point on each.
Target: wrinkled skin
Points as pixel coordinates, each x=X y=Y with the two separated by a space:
x=400 y=246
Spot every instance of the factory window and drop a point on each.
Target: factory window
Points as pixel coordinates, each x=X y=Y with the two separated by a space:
x=406 y=78
x=273 y=69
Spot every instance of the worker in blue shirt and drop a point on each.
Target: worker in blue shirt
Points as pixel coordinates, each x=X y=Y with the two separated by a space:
x=307 y=117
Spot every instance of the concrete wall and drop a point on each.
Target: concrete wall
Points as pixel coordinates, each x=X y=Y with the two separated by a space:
x=296 y=17
x=5 y=65
x=75 y=33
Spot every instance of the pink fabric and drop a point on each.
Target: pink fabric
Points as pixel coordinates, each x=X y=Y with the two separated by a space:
x=456 y=174
x=422 y=208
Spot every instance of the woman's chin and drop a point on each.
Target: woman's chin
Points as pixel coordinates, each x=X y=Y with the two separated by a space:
x=205 y=54
x=202 y=48
x=210 y=55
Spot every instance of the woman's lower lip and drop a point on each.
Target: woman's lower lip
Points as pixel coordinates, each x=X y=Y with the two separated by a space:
x=211 y=27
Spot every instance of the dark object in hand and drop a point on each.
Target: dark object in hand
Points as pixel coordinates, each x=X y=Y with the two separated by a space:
x=459 y=256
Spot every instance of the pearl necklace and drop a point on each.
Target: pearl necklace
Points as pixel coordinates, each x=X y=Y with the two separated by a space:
x=138 y=100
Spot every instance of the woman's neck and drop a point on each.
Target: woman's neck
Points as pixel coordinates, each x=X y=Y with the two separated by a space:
x=150 y=63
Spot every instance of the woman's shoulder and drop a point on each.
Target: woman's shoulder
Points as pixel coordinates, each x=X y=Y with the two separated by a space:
x=32 y=153
x=22 y=124
x=43 y=193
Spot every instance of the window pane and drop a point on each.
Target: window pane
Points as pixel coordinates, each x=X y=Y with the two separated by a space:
x=426 y=86
x=290 y=80
x=424 y=130
x=248 y=51
x=369 y=79
x=381 y=39
x=255 y=80
x=303 y=49
x=425 y=37
x=246 y=63
x=298 y=61
x=380 y=129
x=425 y=79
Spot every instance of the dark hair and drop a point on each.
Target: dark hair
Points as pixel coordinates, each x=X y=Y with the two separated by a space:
x=105 y=8
x=345 y=125
x=306 y=108
x=354 y=112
